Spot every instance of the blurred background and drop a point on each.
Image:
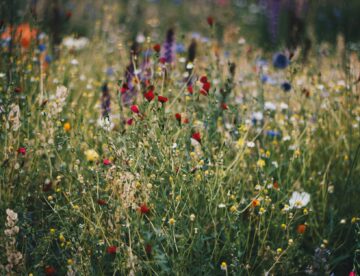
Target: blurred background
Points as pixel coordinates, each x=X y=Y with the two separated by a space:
x=269 y=24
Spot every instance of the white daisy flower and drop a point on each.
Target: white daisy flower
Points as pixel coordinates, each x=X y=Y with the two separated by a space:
x=299 y=200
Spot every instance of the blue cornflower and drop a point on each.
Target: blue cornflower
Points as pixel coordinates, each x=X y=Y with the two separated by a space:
x=42 y=47
x=286 y=86
x=280 y=61
x=48 y=58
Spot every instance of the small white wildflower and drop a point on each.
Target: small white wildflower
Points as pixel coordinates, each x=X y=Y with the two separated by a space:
x=269 y=106
x=74 y=62
x=286 y=138
x=283 y=106
x=189 y=66
x=140 y=38
x=250 y=144
x=299 y=200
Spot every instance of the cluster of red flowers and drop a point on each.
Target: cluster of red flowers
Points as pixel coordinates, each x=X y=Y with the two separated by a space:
x=205 y=85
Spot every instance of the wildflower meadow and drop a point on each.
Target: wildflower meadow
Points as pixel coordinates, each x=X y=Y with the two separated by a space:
x=166 y=138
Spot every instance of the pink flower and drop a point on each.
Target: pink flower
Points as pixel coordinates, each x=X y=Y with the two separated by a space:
x=135 y=109
x=22 y=150
x=106 y=162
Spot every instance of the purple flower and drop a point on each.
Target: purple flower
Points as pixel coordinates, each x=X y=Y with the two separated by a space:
x=105 y=100
x=169 y=47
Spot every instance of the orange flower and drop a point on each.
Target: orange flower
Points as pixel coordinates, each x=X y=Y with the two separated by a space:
x=67 y=127
x=301 y=228
x=23 y=34
x=255 y=202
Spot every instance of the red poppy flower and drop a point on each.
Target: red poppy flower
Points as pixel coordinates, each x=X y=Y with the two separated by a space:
x=101 y=202
x=106 y=162
x=135 y=109
x=143 y=209
x=205 y=89
x=157 y=48
x=196 y=136
x=111 y=249
x=22 y=150
x=203 y=92
x=224 y=106
x=210 y=21
x=206 y=86
x=276 y=185
x=124 y=88
x=203 y=79
x=149 y=95
x=301 y=228
x=162 y=99
x=162 y=60
x=50 y=270
x=178 y=117
x=129 y=122
x=190 y=89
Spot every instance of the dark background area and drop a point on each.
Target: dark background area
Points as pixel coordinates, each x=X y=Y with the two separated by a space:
x=269 y=24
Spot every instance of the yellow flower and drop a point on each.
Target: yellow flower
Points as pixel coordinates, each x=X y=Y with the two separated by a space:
x=223 y=266
x=279 y=250
x=233 y=209
x=61 y=238
x=70 y=261
x=243 y=128
x=52 y=231
x=260 y=163
x=67 y=126
x=172 y=221
x=262 y=211
x=91 y=155
x=283 y=226
x=305 y=211
x=240 y=142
